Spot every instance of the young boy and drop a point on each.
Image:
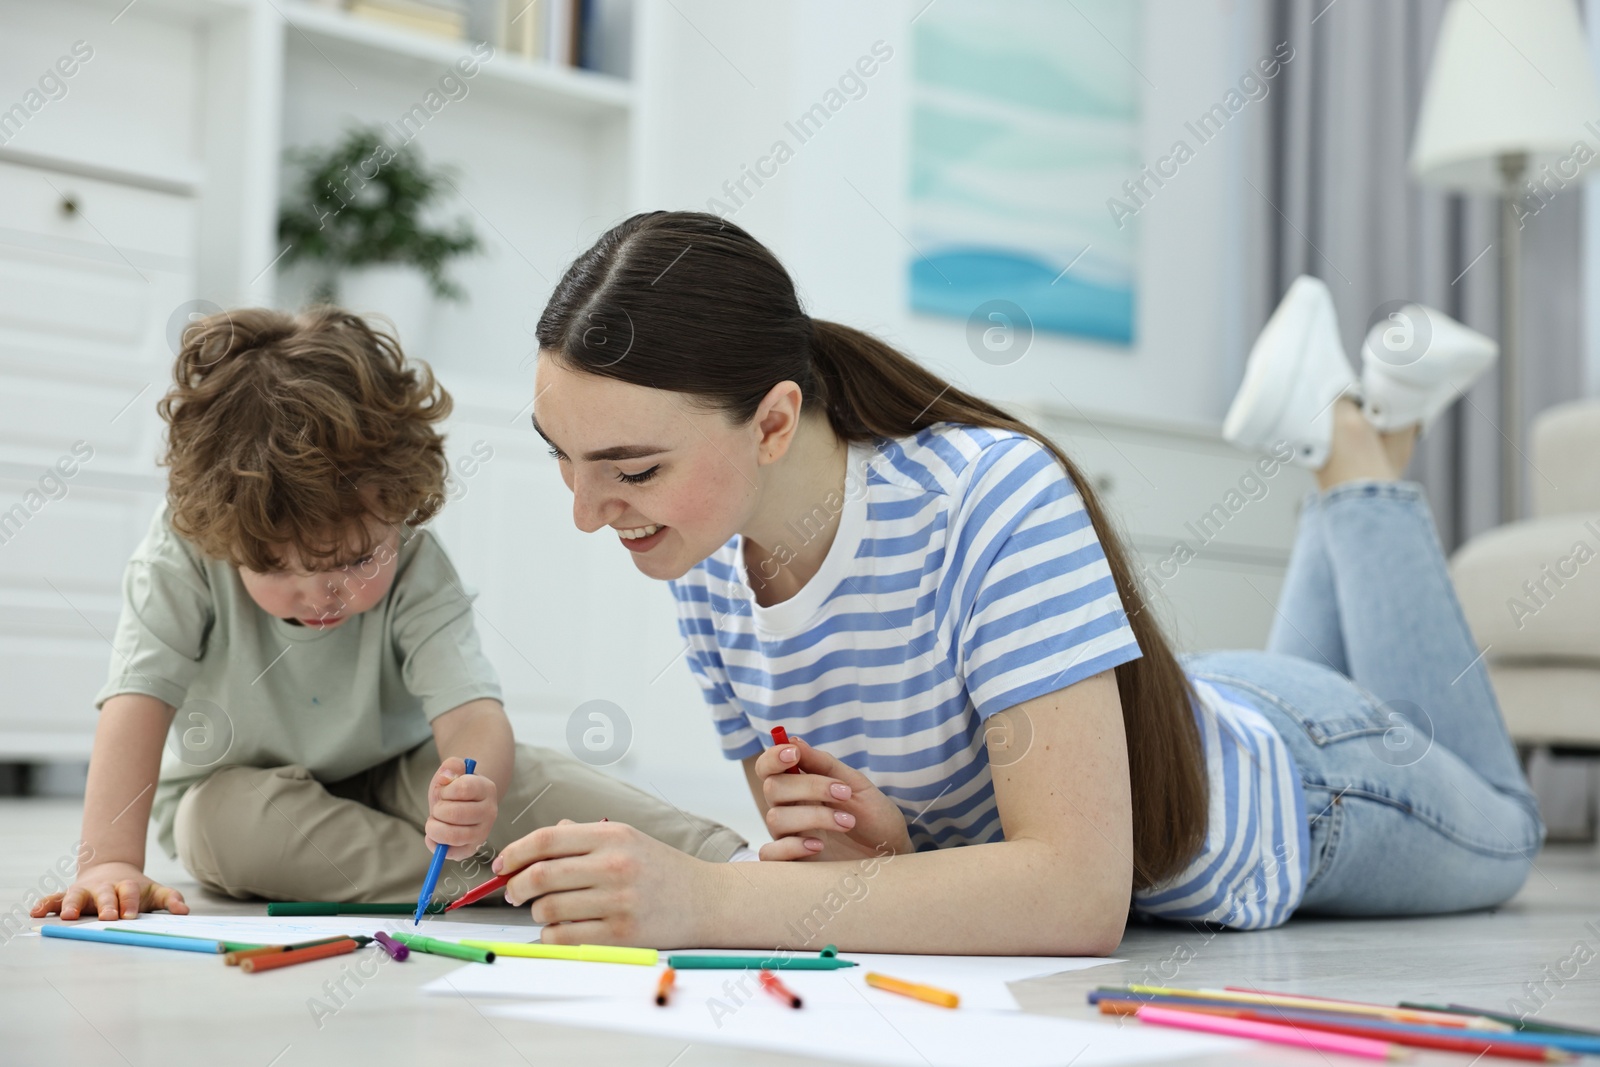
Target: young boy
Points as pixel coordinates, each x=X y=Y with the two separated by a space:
x=317 y=646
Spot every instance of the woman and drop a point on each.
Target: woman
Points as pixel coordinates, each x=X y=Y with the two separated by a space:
x=998 y=749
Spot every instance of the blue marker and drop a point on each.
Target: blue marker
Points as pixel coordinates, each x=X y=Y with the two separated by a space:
x=434 y=867
x=133 y=937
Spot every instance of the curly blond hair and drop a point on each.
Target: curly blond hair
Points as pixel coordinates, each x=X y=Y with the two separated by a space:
x=309 y=431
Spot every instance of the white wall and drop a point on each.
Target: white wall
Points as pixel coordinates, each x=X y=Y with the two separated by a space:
x=718 y=79
x=1591 y=235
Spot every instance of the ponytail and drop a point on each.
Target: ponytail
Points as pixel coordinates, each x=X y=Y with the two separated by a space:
x=870 y=390
x=707 y=310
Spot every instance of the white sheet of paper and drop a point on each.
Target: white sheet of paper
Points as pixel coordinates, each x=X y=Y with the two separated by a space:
x=918 y=1035
x=273 y=930
x=979 y=980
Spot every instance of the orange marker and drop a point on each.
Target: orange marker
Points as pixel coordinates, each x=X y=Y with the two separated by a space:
x=942 y=997
x=301 y=955
x=233 y=959
x=780 y=736
x=770 y=983
x=664 y=990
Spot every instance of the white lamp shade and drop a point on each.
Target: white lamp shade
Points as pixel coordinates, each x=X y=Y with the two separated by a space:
x=1507 y=76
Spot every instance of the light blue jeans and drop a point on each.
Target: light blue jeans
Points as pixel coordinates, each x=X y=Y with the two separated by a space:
x=1416 y=800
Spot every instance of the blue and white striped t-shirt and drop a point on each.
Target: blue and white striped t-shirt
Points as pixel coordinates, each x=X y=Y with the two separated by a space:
x=965 y=578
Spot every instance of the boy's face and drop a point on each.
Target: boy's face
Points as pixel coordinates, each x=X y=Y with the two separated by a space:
x=323 y=600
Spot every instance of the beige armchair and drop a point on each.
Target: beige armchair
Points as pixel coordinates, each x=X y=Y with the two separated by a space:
x=1531 y=592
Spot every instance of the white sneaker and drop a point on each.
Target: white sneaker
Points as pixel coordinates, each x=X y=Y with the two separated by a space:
x=1297 y=369
x=1415 y=364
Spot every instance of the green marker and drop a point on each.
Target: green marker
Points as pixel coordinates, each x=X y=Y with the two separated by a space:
x=444 y=948
x=285 y=908
x=765 y=963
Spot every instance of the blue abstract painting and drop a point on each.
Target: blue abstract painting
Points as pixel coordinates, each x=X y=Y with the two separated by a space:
x=1025 y=117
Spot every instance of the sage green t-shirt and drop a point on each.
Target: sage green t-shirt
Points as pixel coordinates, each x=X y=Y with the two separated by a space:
x=258 y=691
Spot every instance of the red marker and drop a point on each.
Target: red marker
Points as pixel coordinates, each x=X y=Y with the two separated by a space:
x=780 y=736
x=477 y=893
x=770 y=983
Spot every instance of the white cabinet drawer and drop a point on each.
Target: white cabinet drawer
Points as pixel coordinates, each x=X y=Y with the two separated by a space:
x=84 y=355
x=106 y=219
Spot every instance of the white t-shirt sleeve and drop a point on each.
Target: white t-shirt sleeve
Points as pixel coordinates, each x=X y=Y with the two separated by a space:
x=1037 y=606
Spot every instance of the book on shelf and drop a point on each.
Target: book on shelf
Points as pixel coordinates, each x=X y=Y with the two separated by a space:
x=588 y=34
x=436 y=19
x=604 y=37
x=521 y=24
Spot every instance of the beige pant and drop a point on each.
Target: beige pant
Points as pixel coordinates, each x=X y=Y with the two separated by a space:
x=279 y=833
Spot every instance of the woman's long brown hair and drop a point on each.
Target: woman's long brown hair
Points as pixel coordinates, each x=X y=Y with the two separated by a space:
x=688 y=302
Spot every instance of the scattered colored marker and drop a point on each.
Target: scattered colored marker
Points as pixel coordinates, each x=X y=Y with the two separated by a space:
x=926 y=993
x=233 y=959
x=436 y=947
x=770 y=983
x=275 y=960
x=395 y=949
x=664 y=988
x=287 y=908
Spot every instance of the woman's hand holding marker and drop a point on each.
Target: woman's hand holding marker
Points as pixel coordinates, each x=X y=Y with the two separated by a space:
x=606 y=883
x=461 y=809
x=829 y=811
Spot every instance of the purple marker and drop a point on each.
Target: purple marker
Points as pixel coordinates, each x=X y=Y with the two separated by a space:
x=394 y=948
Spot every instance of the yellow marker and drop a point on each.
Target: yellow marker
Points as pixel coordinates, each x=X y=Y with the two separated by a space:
x=643 y=957
x=943 y=998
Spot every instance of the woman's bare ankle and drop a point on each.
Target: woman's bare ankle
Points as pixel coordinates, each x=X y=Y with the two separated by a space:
x=1358 y=453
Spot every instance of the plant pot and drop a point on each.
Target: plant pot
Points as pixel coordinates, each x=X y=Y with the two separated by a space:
x=392 y=292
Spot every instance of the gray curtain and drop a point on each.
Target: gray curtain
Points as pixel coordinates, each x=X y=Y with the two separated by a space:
x=1335 y=199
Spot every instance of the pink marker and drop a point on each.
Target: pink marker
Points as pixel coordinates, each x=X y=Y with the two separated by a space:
x=1280 y=1035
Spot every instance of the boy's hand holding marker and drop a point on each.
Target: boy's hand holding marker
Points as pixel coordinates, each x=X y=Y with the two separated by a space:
x=828 y=811
x=461 y=809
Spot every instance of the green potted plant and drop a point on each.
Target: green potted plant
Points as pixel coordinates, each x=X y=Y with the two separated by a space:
x=358 y=217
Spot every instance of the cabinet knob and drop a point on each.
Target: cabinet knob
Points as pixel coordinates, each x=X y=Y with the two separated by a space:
x=1104 y=483
x=69 y=205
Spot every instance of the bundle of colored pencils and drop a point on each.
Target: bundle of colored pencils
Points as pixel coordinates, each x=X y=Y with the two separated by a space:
x=1375 y=1031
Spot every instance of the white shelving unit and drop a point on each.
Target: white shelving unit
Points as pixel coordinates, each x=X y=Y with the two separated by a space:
x=541 y=85
x=172 y=138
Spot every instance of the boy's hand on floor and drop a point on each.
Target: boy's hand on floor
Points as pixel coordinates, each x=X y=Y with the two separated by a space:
x=111 y=891
x=461 y=809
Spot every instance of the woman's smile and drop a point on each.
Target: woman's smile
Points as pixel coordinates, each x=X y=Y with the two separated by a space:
x=642 y=538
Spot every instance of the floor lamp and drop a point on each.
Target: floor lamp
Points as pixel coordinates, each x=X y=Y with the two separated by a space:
x=1507 y=99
